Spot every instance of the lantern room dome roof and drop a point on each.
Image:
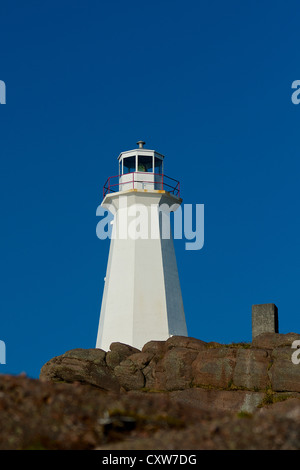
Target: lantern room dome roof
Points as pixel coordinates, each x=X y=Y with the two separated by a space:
x=140 y=151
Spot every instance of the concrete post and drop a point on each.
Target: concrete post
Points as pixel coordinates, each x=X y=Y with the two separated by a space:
x=264 y=319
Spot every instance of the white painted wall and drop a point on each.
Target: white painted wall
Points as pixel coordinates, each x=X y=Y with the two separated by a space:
x=142 y=298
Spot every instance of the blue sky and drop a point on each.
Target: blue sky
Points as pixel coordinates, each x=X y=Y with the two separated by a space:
x=207 y=84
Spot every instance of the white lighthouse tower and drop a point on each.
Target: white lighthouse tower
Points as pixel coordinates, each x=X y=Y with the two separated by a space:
x=142 y=298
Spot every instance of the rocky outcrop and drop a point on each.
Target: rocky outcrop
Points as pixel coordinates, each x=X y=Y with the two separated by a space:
x=236 y=376
x=86 y=366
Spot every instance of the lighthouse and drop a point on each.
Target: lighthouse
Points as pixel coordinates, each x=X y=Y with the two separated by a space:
x=142 y=298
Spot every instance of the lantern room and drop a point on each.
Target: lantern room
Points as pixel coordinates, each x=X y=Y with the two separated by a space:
x=140 y=169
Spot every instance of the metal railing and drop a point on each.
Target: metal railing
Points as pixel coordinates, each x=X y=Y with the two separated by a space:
x=163 y=182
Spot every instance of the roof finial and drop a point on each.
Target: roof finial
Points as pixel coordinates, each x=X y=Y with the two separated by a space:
x=141 y=144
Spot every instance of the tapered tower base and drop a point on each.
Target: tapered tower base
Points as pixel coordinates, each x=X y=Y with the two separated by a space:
x=142 y=298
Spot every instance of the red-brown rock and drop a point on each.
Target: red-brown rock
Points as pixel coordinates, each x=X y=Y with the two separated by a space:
x=274 y=340
x=214 y=367
x=80 y=365
x=285 y=376
x=251 y=369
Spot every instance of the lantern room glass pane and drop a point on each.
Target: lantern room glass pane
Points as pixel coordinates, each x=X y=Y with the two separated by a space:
x=129 y=165
x=157 y=165
x=145 y=163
